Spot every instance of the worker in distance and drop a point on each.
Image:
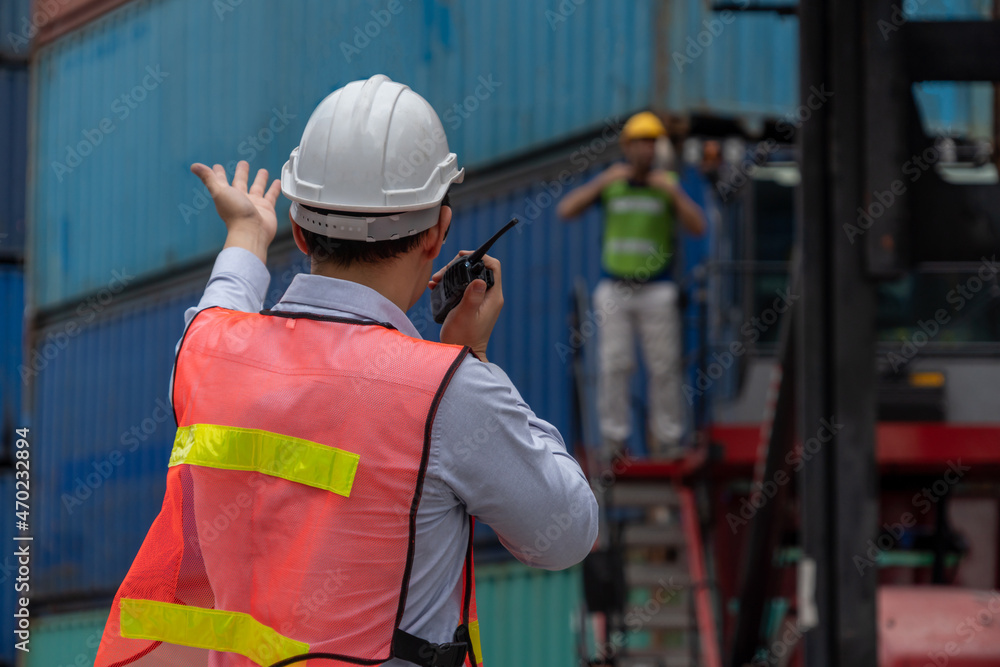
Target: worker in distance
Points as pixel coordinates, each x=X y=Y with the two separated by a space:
x=329 y=464
x=637 y=296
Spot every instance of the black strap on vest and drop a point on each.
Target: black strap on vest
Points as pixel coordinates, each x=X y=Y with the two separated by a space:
x=422 y=652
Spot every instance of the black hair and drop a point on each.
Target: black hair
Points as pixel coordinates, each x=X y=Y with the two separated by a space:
x=345 y=253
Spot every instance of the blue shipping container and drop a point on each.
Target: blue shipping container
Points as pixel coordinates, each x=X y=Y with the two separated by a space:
x=112 y=189
x=11 y=344
x=13 y=158
x=126 y=104
x=17 y=28
x=8 y=572
x=103 y=430
x=739 y=64
x=101 y=378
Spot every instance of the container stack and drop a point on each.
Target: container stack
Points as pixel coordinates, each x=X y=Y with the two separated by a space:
x=15 y=42
x=126 y=95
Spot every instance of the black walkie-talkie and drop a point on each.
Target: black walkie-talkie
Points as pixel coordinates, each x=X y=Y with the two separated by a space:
x=448 y=293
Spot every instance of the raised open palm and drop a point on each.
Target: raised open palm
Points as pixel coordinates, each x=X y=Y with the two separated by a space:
x=238 y=206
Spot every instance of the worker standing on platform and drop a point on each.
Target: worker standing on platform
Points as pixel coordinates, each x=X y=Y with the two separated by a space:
x=329 y=462
x=637 y=294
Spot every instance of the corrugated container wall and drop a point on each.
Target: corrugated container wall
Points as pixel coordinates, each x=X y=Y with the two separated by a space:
x=13 y=158
x=113 y=189
x=15 y=40
x=65 y=640
x=739 y=64
x=8 y=572
x=11 y=345
x=11 y=418
x=101 y=378
x=17 y=28
x=101 y=408
x=527 y=618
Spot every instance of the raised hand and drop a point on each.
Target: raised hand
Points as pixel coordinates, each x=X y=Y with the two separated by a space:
x=248 y=214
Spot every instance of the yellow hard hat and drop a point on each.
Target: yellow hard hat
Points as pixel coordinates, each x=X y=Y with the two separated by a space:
x=643 y=125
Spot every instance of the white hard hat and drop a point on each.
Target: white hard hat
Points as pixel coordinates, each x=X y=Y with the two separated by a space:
x=374 y=157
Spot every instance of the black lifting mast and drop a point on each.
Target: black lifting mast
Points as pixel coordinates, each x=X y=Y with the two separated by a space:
x=854 y=148
x=837 y=336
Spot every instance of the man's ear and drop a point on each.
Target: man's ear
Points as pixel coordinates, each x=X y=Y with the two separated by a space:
x=300 y=240
x=439 y=232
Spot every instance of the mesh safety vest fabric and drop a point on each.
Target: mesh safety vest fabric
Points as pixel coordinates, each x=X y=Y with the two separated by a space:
x=638 y=230
x=289 y=517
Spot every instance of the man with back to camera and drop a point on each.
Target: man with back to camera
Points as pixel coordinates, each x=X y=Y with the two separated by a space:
x=346 y=455
x=636 y=293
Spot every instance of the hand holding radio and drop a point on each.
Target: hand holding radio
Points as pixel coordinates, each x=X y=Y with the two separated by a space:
x=467 y=296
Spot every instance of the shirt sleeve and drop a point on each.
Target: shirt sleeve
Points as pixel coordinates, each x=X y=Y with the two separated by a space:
x=239 y=281
x=511 y=469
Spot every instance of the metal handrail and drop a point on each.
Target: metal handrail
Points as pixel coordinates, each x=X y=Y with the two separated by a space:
x=708 y=634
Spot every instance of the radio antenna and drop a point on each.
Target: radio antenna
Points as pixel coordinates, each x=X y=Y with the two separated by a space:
x=483 y=249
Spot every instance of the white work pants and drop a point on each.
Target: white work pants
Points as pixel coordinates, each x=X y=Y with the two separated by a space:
x=649 y=310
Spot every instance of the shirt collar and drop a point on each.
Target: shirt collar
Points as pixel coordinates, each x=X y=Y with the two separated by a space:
x=320 y=295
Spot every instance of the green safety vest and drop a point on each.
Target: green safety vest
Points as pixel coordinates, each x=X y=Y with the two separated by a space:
x=638 y=230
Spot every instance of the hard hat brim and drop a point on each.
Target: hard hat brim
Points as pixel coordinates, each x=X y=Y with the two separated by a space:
x=288 y=189
x=386 y=227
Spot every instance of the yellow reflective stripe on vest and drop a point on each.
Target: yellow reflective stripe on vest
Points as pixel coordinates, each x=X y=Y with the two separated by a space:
x=212 y=629
x=269 y=453
x=477 y=647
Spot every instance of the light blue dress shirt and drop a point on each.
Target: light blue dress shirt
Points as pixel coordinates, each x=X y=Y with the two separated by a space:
x=491 y=457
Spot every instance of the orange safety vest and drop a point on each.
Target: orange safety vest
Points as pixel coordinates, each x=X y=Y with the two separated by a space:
x=288 y=525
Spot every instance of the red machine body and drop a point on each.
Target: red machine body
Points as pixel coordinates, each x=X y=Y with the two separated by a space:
x=937 y=626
